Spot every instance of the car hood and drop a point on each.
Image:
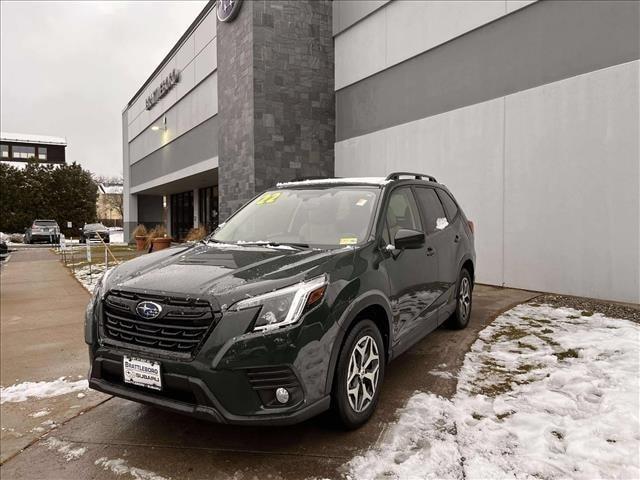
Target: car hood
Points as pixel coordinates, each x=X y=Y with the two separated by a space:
x=223 y=274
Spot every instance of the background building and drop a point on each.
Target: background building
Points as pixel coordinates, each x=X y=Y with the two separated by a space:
x=19 y=147
x=109 y=204
x=527 y=110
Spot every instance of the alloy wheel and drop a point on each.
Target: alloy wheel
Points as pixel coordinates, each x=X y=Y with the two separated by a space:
x=362 y=377
x=464 y=298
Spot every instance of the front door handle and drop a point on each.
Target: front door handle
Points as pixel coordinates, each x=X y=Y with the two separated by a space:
x=430 y=251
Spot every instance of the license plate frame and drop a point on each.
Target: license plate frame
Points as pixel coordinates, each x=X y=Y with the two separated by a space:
x=142 y=372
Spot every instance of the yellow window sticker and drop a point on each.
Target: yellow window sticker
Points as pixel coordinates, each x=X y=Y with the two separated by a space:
x=268 y=198
x=348 y=241
x=361 y=202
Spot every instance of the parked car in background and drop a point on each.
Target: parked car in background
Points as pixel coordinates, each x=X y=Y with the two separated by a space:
x=44 y=231
x=4 y=249
x=294 y=305
x=91 y=231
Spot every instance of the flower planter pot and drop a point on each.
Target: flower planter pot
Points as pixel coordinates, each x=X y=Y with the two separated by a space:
x=160 y=244
x=140 y=243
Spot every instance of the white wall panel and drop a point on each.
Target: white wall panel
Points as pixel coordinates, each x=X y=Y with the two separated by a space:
x=404 y=28
x=572 y=186
x=416 y=26
x=194 y=108
x=463 y=150
x=196 y=59
x=554 y=170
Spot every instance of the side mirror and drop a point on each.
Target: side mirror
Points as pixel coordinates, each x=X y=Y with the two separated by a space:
x=408 y=239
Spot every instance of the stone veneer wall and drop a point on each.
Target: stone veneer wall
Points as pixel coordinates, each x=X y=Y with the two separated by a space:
x=275 y=96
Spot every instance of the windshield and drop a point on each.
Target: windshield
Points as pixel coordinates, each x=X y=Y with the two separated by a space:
x=94 y=226
x=327 y=217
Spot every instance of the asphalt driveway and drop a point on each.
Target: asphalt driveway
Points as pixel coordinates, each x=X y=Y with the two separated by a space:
x=112 y=435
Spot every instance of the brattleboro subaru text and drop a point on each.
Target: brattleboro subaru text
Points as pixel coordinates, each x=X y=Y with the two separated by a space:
x=293 y=306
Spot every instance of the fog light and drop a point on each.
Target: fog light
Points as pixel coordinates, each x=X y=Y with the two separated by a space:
x=282 y=395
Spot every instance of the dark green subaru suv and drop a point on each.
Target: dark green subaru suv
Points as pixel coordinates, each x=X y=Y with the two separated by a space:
x=293 y=306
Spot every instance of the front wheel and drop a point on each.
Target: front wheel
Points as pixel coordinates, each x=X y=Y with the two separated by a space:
x=464 y=292
x=359 y=375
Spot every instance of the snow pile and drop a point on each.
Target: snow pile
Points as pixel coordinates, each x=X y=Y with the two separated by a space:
x=335 y=181
x=41 y=413
x=88 y=277
x=23 y=391
x=65 y=448
x=120 y=466
x=544 y=393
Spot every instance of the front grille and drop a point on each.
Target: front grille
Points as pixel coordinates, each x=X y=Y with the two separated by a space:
x=180 y=328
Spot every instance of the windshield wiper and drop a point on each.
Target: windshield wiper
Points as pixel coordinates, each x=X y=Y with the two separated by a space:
x=299 y=246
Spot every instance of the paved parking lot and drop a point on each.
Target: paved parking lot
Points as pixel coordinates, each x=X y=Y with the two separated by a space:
x=42 y=316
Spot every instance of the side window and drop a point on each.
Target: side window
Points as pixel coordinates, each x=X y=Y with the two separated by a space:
x=434 y=214
x=449 y=205
x=402 y=212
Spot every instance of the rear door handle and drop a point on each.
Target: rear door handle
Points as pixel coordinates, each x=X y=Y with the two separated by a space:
x=457 y=239
x=430 y=251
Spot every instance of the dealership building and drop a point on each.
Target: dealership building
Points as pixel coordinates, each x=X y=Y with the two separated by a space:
x=527 y=110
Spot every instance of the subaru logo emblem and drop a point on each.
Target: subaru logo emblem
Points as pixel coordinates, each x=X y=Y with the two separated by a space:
x=148 y=310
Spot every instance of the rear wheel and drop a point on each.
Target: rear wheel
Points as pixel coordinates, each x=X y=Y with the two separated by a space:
x=359 y=375
x=464 y=300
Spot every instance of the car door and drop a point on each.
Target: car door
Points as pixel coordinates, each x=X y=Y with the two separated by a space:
x=411 y=272
x=442 y=235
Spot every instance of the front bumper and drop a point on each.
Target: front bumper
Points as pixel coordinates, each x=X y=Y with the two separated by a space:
x=233 y=376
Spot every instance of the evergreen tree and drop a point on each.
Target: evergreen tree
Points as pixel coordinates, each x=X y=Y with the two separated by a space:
x=66 y=193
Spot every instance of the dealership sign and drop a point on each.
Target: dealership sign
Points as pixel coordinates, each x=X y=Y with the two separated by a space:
x=228 y=9
x=165 y=87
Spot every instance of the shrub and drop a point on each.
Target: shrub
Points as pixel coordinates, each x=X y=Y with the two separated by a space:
x=140 y=231
x=196 y=234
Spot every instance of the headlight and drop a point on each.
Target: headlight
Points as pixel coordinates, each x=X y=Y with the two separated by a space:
x=285 y=306
x=100 y=284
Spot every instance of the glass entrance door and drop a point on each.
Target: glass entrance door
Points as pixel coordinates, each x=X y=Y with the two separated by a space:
x=181 y=214
x=208 y=207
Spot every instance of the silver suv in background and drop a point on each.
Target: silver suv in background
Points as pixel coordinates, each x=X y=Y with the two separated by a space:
x=46 y=231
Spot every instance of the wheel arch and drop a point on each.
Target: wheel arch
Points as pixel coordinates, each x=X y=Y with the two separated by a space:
x=372 y=306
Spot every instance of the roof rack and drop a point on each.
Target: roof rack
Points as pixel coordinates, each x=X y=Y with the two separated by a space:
x=417 y=176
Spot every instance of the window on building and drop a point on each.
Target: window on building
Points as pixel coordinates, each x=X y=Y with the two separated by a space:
x=5 y=151
x=449 y=205
x=23 y=152
x=434 y=214
x=208 y=207
x=42 y=153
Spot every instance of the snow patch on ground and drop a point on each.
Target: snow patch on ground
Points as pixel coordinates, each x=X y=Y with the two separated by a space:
x=88 y=277
x=120 y=466
x=544 y=393
x=67 y=449
x=23 y=391
x=41 y=413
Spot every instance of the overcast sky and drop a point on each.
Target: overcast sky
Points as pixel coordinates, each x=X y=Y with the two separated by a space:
x=68 y=69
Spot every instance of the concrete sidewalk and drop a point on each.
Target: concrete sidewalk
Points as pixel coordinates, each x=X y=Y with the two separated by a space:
x=41 y=334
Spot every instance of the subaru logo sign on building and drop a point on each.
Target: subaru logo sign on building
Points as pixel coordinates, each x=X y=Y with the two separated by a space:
x=148 y=310
x=228 y=9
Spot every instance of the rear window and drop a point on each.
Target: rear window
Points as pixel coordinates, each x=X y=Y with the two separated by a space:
x=94 y=226
x=434 y=213
x=46 y=223
x=449 y=205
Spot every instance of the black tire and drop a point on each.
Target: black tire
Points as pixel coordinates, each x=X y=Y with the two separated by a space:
x=462 y=314
x=349 y=416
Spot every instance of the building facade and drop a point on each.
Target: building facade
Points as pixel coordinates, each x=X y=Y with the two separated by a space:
x=19 y=148
x=527 y=110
